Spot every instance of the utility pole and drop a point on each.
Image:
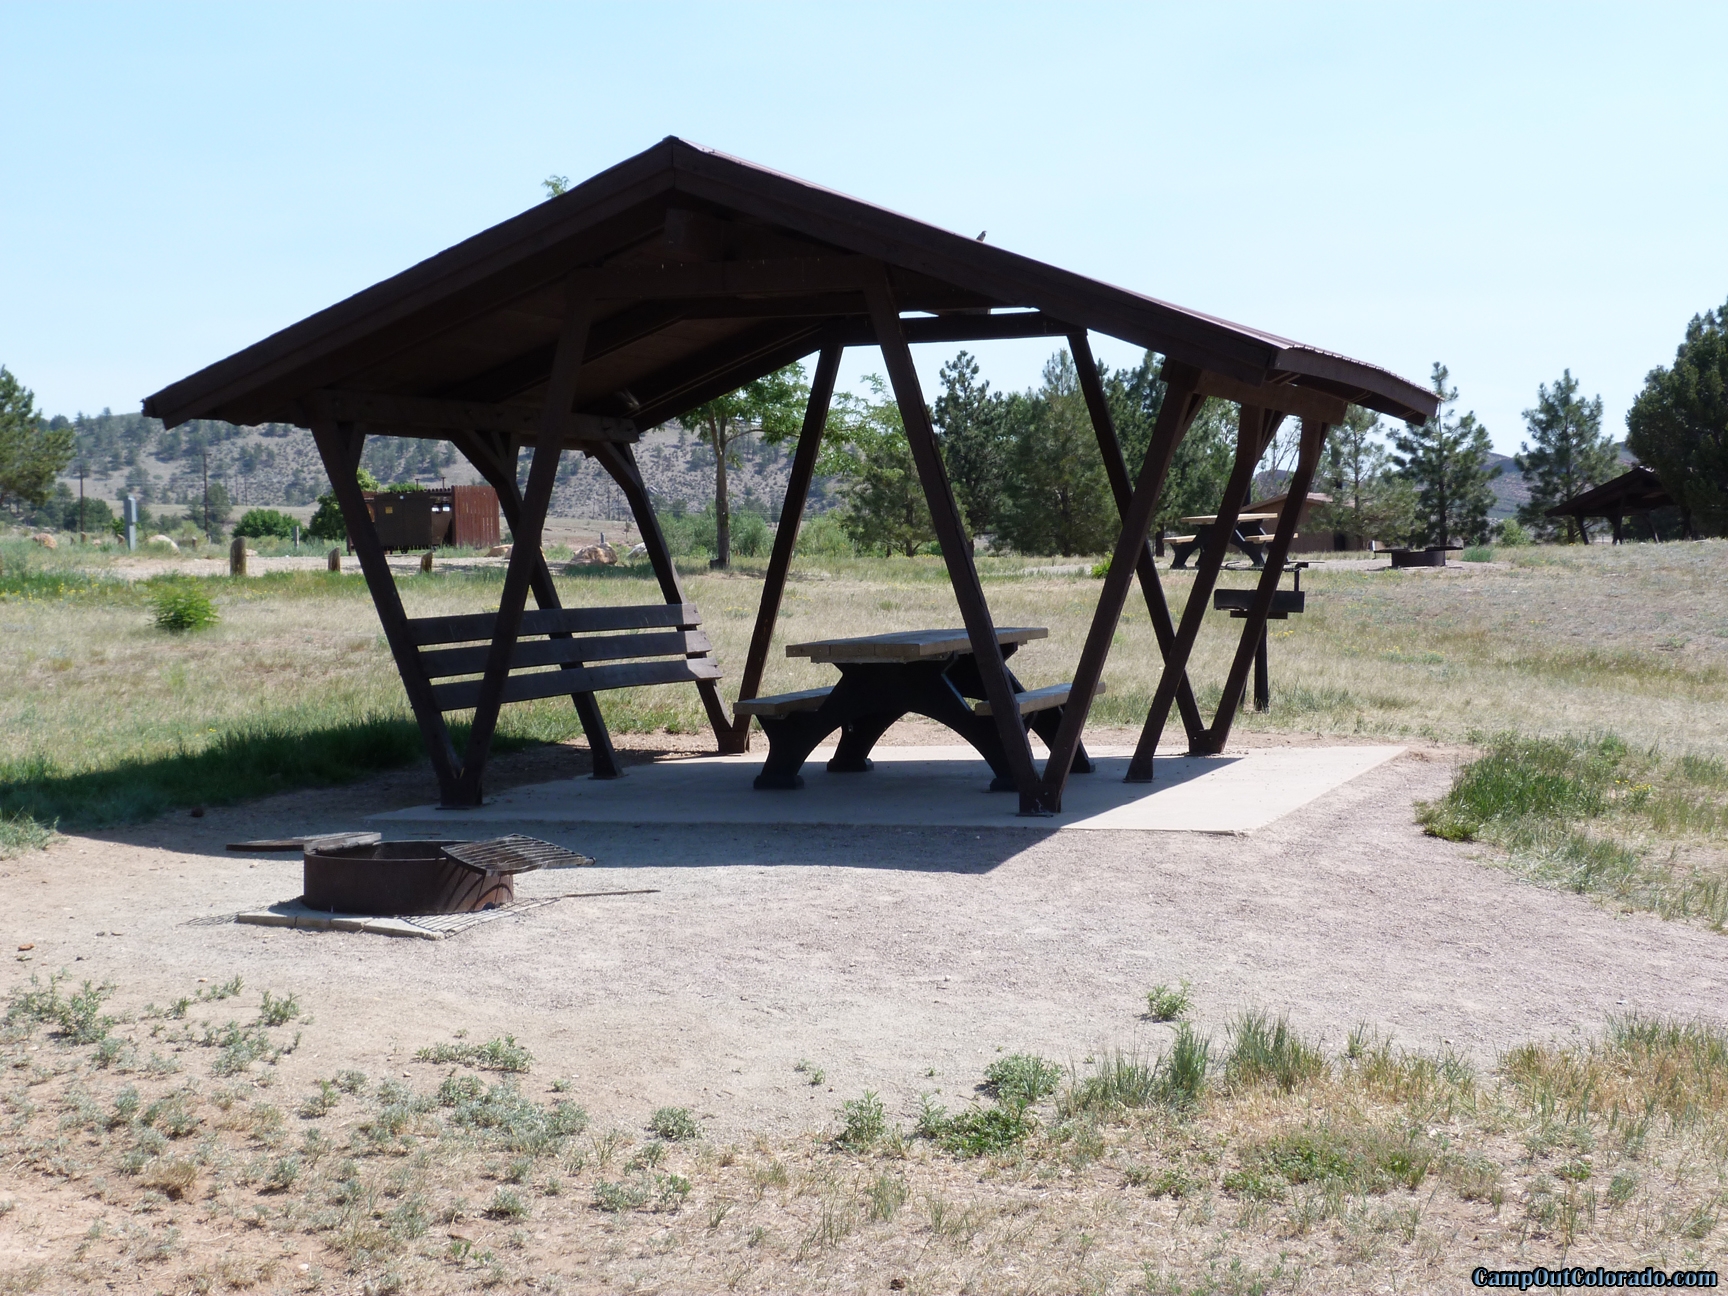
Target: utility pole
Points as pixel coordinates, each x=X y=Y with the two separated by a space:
x=80 y=501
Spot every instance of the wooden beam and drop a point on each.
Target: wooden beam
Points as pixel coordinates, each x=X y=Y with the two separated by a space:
x=1255 y=427
x=1145 y=566
x=620 y=462
x=339 y=446
x=956 y=544
x=1181 y=404
x=1253 y=642
x=786 y=536
x=838 y=273
x=445 y=416
x=495 y=456
x=1300 y=402
x=525 y=551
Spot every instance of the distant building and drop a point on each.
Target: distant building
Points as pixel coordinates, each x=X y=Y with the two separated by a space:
x=1308 y=539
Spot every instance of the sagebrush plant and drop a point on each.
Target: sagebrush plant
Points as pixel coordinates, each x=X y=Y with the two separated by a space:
x=863 y=1123
x=182 y=605
x=674 y=1124
x=1021 y=1079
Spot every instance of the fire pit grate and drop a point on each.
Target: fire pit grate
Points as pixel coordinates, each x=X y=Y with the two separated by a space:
x=514 y=854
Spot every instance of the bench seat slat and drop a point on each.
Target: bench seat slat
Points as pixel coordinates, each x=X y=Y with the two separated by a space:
x=580 y=679
x=782 y=703
x=1039 y=699
x=472 y=626
x=441 y=663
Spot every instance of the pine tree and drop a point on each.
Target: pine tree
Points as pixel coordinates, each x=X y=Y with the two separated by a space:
x=1369 y=501
x=1678 y=425
x=969 y=426
x=32 y=451
x=1057 y=498
x=1446 y=461
x=1570 y=456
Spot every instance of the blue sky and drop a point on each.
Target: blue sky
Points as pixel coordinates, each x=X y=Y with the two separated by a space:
x=1510 y=189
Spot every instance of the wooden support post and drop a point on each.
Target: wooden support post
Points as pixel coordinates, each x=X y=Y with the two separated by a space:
x=1254 y=430
x=956 y=544
x=620 y=462
x=786 y=536
x=339 y=446
x=237 y=557
x=1254 y=625
x=525 y=551
x=1182 y=402
x=333 y=559
x=495 y=457
x=1262 y=676
x=1116 y=468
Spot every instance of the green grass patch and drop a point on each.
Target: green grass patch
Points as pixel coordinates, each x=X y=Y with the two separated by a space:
x=1268 y=1051
x=1544 y=778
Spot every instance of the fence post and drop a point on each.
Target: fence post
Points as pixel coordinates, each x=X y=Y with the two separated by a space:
x=237 y=557
x=334 y=561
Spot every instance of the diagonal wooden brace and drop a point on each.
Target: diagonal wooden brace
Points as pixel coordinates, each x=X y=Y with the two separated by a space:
x=956 y=544
x=786 y=536
x=1181 y=403
x=1254 y=625
x=525 y=544
x=1254 y=430
x=1146 y=567
x=339 y=445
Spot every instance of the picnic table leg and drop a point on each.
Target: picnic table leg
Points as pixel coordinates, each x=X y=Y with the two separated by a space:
x=1262 y=676
x=857 y=738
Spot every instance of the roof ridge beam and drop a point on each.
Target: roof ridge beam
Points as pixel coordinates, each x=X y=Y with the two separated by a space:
x=522 y=421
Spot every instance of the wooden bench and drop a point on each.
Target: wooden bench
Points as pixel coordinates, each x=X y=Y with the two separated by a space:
x=782 y=703
x=655 y=643
x=1039 y=699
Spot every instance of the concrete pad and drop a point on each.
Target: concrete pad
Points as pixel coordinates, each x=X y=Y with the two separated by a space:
x=923 y=787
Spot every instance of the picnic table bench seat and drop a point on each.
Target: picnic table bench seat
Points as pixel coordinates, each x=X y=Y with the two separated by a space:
x=589 y=649
x=780 y=704
x=1038 y=699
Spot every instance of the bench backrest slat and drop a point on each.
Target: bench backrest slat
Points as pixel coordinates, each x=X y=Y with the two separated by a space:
x=475 y=626
x=463 y=694
x=441 y=663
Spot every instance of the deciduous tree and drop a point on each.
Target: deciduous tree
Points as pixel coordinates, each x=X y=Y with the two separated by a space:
x=1057 y=498
x=773 y=405
x=865 y=445
x=1369 y=500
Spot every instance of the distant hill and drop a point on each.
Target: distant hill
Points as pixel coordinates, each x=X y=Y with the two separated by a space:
x=276 y=464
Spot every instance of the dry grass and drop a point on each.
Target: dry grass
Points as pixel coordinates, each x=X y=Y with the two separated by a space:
x=142 y=1160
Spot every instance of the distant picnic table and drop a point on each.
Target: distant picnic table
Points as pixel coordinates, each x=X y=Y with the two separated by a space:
x=1252 y=544
x=886 y=676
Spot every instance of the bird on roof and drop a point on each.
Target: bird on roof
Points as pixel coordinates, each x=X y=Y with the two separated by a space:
x=981 y=234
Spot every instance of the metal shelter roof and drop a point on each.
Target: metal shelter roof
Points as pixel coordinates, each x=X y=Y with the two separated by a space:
x=709 y=272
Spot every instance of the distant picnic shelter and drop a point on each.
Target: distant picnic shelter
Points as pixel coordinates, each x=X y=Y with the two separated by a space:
x=679 y=275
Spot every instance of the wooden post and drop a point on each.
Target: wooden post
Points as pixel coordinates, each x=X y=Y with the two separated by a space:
x=495 y=457
x=525 y=551
x=333 y=559
x=956 y=545
x=786 y=537
x=1182 y=402
x=237 y=557
x=339 y=446
x=426 y=562
x=1116 y=468
x=1254 y=429
x=1254 y=625
x=620 y=461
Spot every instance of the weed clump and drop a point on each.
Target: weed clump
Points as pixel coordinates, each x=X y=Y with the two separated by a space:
x=863 y=1123
x=1021 y=1079
x=179 y=605
x=674 y=1124
x=1264 y=1051
x=1168 y=1003
x=503 y=1054
x=77 y=1017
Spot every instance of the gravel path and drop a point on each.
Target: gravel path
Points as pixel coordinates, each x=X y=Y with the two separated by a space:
x=896 y=960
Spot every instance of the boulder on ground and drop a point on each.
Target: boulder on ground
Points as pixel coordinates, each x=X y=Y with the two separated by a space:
x=637 y=551
x=46 y=540
x=163 y=540
x=499 y=551
x=594 y=555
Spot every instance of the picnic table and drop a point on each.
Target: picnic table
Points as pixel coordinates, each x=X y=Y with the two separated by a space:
x=1252 y=544
x=886 y=676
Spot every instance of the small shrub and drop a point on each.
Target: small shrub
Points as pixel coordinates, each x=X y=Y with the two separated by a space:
x=507 y=1204
x=1168 y=1003
x=350 y=1082
x=1477 y=554
x=617 y=1197
x=863 y=1122
x=278 y=1012
x=174 y=1176
x=182 y=605
x=1021 y=1079
x=257 y=524
x=985 y=1131
x=503 y=1054
x=284 y=1174
x=674 y=1124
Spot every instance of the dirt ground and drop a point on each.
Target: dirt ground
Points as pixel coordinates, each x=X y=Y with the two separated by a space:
x=898 y=961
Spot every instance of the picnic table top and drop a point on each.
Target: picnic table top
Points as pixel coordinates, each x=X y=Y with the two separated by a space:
x=1240 y=517
x=905 y=645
